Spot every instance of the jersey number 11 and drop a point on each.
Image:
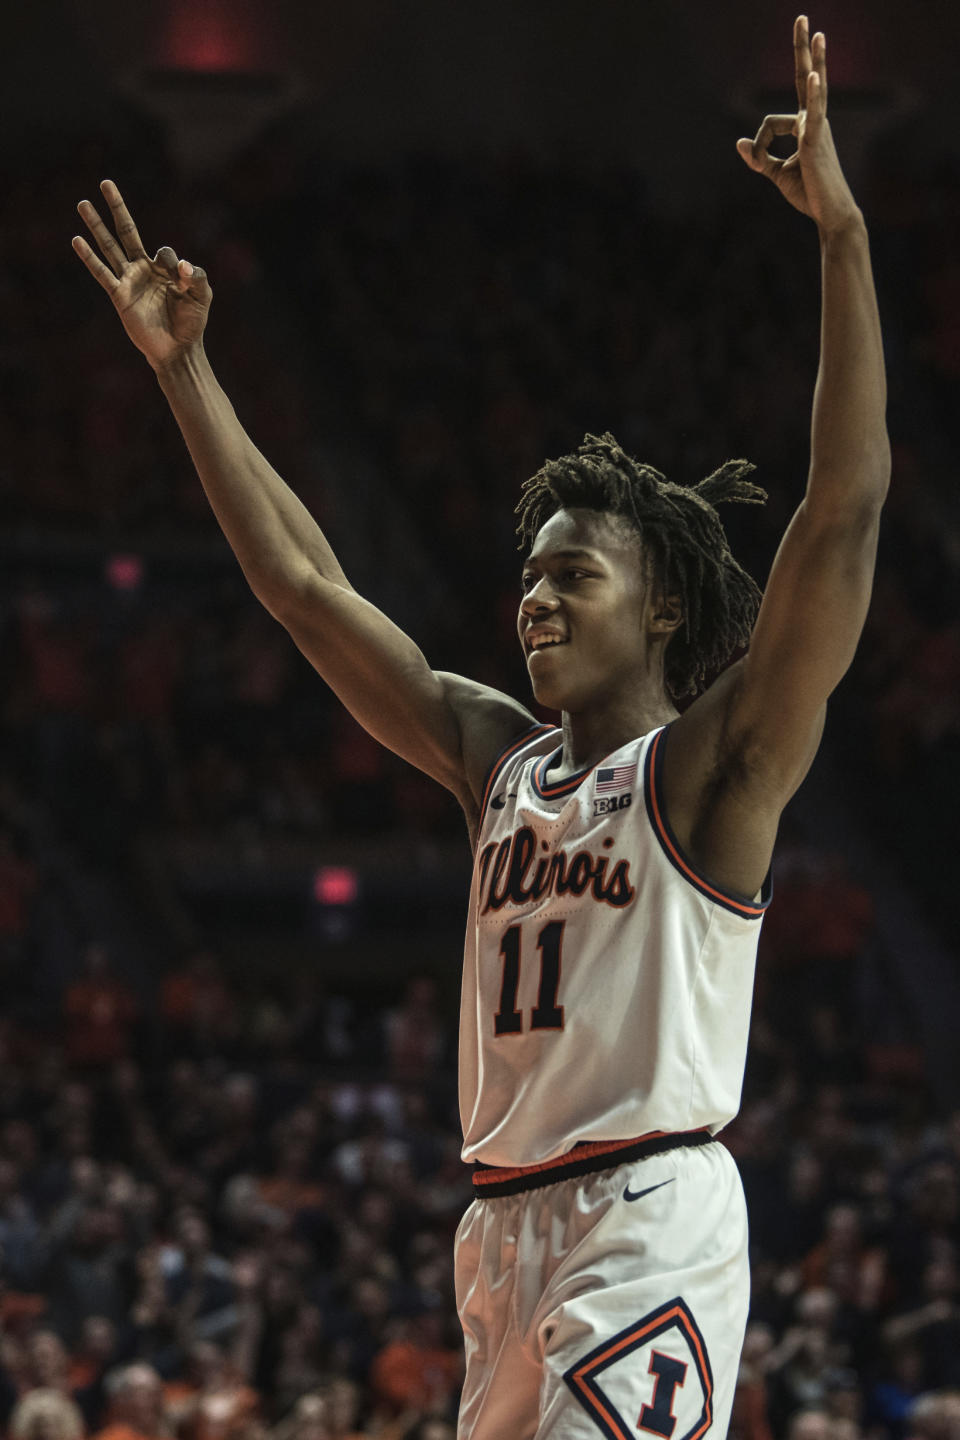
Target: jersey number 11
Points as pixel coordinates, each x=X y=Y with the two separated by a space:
x=546 y=1014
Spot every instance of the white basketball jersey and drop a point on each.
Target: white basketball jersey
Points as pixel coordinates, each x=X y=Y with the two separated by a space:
x=607 y=984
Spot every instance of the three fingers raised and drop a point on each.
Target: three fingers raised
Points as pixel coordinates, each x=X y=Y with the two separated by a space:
x=119 y=250
x=127 y=247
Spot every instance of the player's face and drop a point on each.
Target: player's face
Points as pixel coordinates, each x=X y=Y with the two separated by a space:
x=582 y=620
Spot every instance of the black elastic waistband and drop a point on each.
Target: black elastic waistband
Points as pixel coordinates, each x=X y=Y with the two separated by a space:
x=489 y=1181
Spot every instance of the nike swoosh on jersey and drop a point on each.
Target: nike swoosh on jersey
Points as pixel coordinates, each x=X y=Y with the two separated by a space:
x=498 y=801
x=629 y=1194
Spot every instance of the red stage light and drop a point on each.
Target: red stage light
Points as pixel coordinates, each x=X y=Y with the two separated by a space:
x=336 y=885
x=124 y=572
x=213 y=35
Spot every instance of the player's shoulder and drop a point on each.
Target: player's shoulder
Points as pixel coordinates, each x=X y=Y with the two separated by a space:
x=489 y=722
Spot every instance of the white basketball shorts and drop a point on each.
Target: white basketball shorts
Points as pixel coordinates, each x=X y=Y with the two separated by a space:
x=611 y=1304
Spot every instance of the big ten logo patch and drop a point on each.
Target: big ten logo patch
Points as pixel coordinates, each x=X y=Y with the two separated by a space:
x=653 y=1378
x=610 y=804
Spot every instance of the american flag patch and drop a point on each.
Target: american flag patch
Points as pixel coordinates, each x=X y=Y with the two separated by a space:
x=617 y=777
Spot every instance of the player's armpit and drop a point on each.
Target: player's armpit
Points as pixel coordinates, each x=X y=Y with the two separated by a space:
x=738 y=753
x=805 y=637
x=448 y=727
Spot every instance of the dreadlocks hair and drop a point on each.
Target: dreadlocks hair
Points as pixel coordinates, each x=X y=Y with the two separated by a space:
x=682 y=534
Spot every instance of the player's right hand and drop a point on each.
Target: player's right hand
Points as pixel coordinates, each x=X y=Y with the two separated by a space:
x=163 y=302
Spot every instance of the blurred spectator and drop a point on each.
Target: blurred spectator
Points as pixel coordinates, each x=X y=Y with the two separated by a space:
x=344 y=1399
x=89 y=1364
x=308 y=1420
x=18 y=884
x=44 y=1414
x=843 y=1263
x=20 y=1235
x=415 y=1038
x=935 y=1416
x=800 y=1364
x=891 y=1400
x=197 y=1005
x=216 y=1404
x=810 y=1425
x=750 y=1420
x=136 y=1410
x=934 y=1325
x=431 y=1428
x=99 y=1011
x=419 y=1369
x=48 y=1361
x=90 y=1264
x=198 y=1284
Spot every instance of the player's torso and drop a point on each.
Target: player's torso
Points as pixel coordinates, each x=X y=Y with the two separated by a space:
x=606 y=985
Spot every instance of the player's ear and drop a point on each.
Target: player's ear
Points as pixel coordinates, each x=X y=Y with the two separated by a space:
x=667 y=614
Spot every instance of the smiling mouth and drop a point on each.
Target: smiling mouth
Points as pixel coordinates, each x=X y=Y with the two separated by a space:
x=545 y=645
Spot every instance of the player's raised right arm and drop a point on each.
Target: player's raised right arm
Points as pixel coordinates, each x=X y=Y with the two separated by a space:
x=448 y=727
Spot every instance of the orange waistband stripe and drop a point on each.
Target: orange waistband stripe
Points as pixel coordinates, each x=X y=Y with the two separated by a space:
x=583 y=1159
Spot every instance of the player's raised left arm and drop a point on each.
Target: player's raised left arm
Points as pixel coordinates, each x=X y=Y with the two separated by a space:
x=816 y=598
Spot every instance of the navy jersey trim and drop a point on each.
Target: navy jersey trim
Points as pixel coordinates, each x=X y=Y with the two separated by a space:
x=562 y=787
x=653 y=793
x=496 y=769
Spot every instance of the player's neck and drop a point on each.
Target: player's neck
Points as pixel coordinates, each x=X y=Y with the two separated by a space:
x=591 y=735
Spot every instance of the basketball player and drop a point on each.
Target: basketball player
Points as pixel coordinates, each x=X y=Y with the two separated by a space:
x=621 y=859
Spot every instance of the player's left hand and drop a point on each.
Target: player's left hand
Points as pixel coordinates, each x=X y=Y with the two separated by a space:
x=811 y=179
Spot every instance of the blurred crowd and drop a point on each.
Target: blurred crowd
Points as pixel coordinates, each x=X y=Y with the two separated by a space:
x=228 y=1211
x=227 y=1207
x=246 y=1233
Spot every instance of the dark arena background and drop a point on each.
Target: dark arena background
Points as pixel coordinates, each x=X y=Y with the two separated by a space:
x=444 y=242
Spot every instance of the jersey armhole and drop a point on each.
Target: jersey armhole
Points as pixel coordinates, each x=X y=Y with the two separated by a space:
x=750 y=909
x=496 y=769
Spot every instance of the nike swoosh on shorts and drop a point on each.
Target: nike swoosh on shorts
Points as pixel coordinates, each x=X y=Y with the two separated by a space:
x=629 y=1194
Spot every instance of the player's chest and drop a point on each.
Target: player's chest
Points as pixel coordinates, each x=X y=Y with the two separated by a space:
x=582 y=849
